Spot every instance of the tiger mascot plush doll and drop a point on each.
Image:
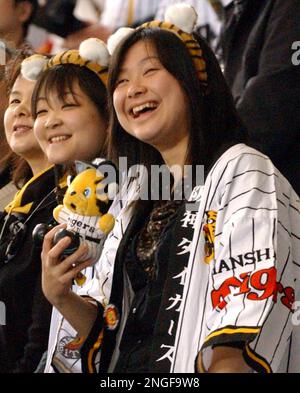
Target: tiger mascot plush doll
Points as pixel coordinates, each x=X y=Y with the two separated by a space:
x=85 y=209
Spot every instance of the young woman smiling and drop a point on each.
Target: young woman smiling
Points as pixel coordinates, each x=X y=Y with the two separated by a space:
x=71 y=118
x=24 y=336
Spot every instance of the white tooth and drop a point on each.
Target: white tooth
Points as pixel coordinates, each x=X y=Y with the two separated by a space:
x=58 y=139
x=139 y=108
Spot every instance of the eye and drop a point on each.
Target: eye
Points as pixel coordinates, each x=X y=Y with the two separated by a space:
x=87 y=192
x=41 y=112
x=150 y=70
x=15 y=101
x=121 y=82
x=70 y=105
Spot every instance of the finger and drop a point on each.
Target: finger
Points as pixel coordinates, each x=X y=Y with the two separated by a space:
x=55 y=254
x=69 y=262
x=48 y=243
x=72 y=273
x=48 y=239
x=77 y=256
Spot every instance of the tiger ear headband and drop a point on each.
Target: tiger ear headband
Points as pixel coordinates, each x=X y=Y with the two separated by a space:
x=179 y=19
x=92 y=54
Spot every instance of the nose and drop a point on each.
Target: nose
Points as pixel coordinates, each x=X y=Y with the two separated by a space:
x=135 y=90
x=52 y=121
x=22 y=110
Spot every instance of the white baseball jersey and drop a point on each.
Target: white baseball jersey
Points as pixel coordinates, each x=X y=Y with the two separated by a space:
x=247 y=290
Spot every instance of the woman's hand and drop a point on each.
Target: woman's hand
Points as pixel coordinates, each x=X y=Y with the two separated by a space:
x=58 y=273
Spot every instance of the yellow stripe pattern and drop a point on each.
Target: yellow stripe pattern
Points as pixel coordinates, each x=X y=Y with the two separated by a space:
x=95 y=348
x=232 y=331
x=16 y=204
x=72 y=57
x=256 y=359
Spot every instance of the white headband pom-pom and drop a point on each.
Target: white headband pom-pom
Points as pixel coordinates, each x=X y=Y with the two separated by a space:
x=33 y=66
x=117 y=37
x=94 y=50
x=182 y=15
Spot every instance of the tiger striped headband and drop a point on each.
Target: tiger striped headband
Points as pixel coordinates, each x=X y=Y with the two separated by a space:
x=180 y=19
x=190 y=42
x=92 y=54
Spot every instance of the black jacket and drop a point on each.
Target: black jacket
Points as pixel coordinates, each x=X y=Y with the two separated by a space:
x=265 y=84
x=24 y=337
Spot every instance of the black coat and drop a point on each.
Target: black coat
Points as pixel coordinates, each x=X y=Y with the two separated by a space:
x=24 y=337
x=264 y=82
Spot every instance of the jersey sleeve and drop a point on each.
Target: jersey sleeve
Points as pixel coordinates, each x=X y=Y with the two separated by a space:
x=251 y=263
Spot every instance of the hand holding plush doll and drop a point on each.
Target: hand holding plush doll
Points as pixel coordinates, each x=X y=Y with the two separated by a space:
x=85 y=209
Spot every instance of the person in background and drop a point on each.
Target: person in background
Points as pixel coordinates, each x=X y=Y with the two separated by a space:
x=15 y=18
x=257 y=45
x=114 y=14
x=200 y=282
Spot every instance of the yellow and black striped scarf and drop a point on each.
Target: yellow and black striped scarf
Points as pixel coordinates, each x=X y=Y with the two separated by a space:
x=37 y=188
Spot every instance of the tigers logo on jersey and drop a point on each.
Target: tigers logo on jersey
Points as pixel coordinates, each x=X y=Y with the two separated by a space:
x=75 y=344
x=67 y=349
x=209 y=235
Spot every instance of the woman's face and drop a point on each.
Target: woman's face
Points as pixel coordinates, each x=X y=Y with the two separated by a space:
x=12 y=16
x=149 y=102
x=71 y=129
x=18 y=122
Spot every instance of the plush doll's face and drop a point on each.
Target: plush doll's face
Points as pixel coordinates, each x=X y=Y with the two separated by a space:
x=81 y=196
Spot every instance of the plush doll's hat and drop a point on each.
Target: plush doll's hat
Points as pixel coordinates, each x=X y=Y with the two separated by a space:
x=92 y=54
x=179 y=19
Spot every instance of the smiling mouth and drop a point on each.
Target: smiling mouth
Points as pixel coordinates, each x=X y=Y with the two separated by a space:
x=21 y=128
x=57 y=139
x=139 y=110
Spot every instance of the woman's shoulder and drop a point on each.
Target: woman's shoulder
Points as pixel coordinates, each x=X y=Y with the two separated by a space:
x=239 y=159
x=242 y=169
x=241 y=151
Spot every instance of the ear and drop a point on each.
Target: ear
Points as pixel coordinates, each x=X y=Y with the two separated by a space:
x=101 y=194
x=82 y=166
x=108 y=169
x=24 y=11
x=70 y=178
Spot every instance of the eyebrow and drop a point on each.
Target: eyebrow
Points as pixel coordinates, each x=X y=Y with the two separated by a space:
x=124 y=69
x=65 y=94
x=41 y=99
x=15 y=92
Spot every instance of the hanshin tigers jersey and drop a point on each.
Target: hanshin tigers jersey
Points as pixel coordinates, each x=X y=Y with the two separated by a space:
x=243 y=273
